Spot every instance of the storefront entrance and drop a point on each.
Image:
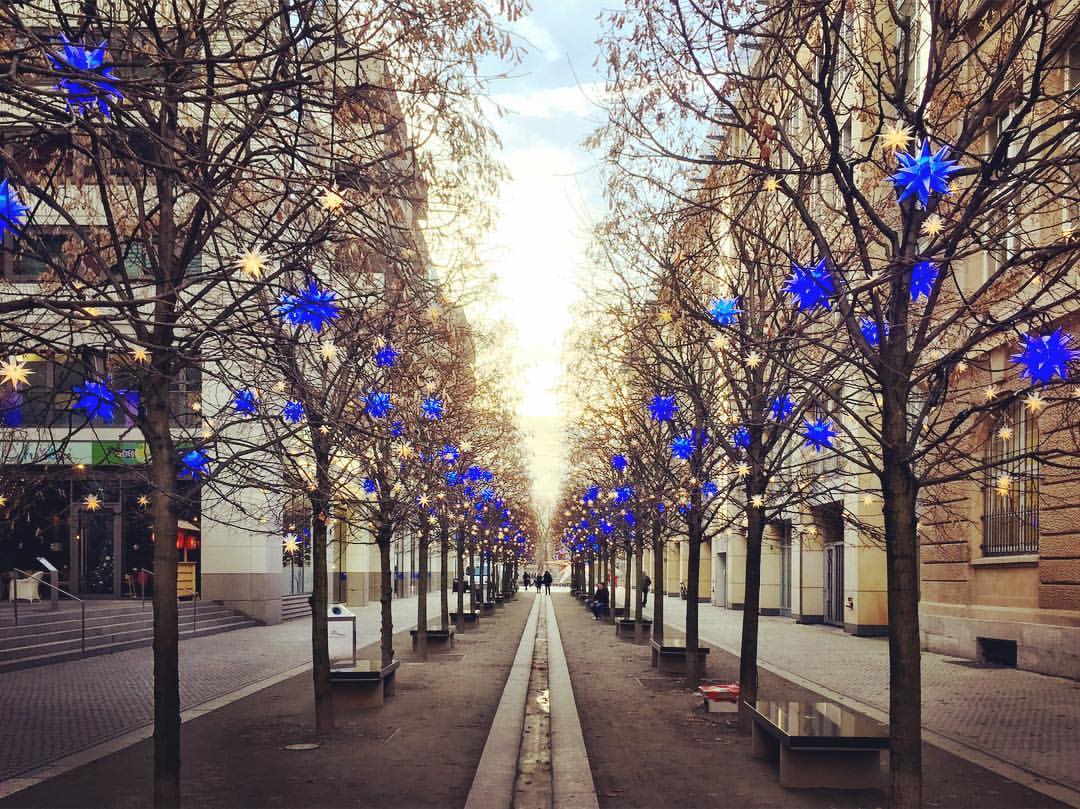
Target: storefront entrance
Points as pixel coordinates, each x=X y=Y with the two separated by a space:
x=97 y=551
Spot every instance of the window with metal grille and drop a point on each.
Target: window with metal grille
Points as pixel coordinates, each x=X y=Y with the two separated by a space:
x=1011 y=495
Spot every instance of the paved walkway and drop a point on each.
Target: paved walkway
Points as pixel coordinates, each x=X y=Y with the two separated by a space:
x=1029 y=720
x=53 y=711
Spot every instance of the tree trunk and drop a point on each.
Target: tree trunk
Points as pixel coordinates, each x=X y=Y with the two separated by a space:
x=422 y=593
x=472 y=579
x=629 y=551
x=693 y=572
x=899 y=492
x=460 y=542
x=748 y=672
x=383 y=537
x=658 y=582
x=592 y=573
x=444 y=576
x=639 y=548
x=320 y=642
x=163 y=467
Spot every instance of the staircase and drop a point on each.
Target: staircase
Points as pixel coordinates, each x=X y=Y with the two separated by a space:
x=295 y=607
x=44 y=636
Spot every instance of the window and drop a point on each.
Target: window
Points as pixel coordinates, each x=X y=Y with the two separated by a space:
x=1011 y=495
x=185 y=390
x=38 y=252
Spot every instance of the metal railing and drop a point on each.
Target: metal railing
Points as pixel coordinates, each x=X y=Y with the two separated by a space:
x=60 y=590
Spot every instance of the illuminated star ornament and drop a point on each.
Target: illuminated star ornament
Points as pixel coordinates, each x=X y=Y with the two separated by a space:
x=932 y=225
x=143 y=500
x=741 y=438
x=290 y=544
x=819 y=434
x=663 y=408
x=771 y=184
x=94 y=89
x=1046 y=356
x=378 y=405
x=618 y=462
x=92 y=502
x=14 y=372
x=332 y=201
x=923 y=276
x=812 y=286
x=385 y=357
x=95 y=400
x=251 y=264
x=12 y=211
x=870 y=331
x=896 y=137
x=195 y=465
x=923 y=173
x=432 y=408
x=781 y=407
x=140 y=355
x=724 y=311
x=245 y=402
x=293 y=412
x=310 y=306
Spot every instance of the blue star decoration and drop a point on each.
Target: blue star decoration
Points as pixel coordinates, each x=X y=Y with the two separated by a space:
x=378 y=406
x=684 y=445
x=741 y=437
x=618 y=462
x=397 y=428
x=663 y=408
x=812 y=286
x=293 y=412
x=781 y=407
x=629 y=517
x=369 y=485
x=923 y=276
x=870 y=331
x=724 y=311
x=1046 y=356
x=95 y=400
x=923 y=173
x=710 y=489
x=591 y=494
x=452 y=478
x=385 y=357
x=310 y=306
x=622 y=494
x=819 y=433
x=245 y=402
x=195 y=465
x=95 y=89
x=12 y=211
x=432 y=408
x=449 y=453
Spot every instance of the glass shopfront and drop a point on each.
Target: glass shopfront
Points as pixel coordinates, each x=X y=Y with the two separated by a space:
x=94 y=526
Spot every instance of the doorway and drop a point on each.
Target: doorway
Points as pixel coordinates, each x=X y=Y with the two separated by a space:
x=785 y=568
x=97 y=551
x=720 y=596
x=834 y=583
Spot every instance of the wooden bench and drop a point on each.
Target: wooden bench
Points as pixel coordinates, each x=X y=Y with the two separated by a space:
x=669 y=656
x=436 y=639
x=364 y=685
x=626 y=628
x=470 y=617
x=819 y=744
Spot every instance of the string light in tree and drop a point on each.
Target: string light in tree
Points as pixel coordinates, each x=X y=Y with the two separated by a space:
x=12 y=211
x=1045 y=356
x=923 y=173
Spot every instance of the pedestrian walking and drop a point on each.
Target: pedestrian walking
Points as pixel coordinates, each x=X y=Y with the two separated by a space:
x=646 y=583
x=547 y=582
x=538 y=580
x=525 y=579
x=600 y=601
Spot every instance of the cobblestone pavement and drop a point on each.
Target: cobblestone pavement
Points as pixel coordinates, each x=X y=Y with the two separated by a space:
x=1029 y=720
x=52 y=711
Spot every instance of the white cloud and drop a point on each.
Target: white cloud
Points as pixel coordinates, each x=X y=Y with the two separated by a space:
x=577 y=100
x=538 y=38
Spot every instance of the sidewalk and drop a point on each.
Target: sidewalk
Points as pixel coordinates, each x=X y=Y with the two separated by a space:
x=1028 y=720
x=53 y=711
x=420 y=749
x=651 y=744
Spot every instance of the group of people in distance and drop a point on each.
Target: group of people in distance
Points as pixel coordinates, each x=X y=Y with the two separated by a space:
x=537 y=581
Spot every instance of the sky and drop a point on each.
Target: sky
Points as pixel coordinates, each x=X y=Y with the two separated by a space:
x=538 y=247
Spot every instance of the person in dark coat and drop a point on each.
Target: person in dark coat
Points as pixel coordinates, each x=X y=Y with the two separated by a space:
x=547 y=582
x=538 y=581
x=525 y=578
x=646 y=583
x=600 y=602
